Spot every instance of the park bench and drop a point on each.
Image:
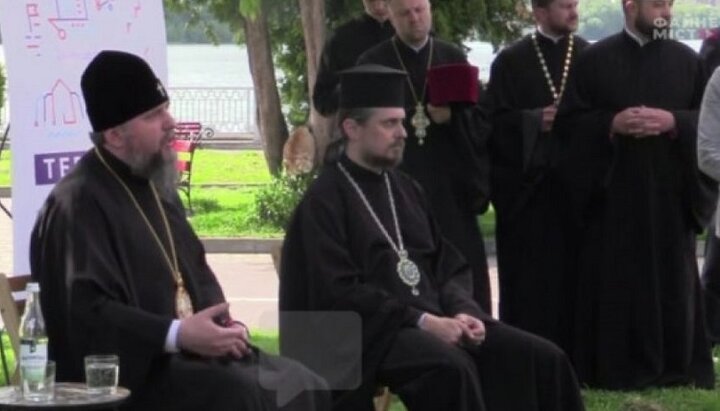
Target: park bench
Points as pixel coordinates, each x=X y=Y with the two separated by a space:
x=188 y=137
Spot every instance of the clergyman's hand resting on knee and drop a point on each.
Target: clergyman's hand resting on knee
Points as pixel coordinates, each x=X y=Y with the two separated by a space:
x=199 y=334
x=475 y=331
x=450 y=330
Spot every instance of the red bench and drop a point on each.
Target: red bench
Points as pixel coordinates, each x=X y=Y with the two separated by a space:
x=188 y=136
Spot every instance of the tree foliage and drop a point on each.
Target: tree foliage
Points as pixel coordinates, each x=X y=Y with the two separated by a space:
x=182 y=27
x=495 y=21
x=601 y=18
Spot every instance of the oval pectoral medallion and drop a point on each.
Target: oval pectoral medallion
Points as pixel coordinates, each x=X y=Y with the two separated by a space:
x=183 y=303
x=409 y=272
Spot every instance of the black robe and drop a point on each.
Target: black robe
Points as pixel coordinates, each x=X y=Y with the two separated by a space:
x=637 y=204
x=452 y=165
x=710 y=51
x=106 y=288
x=341 y=52
x=532 y=249
x=335 y=259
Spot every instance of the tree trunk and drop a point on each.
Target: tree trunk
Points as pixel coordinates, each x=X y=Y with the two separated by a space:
x=312 y=13
x=271 y=121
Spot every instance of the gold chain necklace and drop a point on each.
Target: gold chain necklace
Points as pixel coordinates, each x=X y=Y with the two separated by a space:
x=419 y=120
x=183 y=303
x=557 y=95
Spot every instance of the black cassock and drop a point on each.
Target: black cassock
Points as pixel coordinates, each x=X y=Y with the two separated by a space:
x=335 y=258
x=532 y=249
x=637 y=204
x=106 y=288
x=341 y=52
x=452 y=165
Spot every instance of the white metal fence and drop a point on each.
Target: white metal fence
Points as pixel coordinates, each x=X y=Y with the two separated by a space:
x=227 y=110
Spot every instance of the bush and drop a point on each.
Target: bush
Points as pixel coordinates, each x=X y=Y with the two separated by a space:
x=276 y=202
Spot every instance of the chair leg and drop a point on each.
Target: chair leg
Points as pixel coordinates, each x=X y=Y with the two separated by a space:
x=190 y=209
x=382 y=401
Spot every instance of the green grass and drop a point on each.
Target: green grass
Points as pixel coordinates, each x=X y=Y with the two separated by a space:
x=5 y=169
x=229 y=167
x=227 y=212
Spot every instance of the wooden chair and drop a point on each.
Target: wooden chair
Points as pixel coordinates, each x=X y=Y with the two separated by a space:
x=12 y=304
x=383 y=396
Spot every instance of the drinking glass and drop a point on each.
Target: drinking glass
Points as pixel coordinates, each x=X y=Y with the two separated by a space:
x=101 y=373
x=38 y=381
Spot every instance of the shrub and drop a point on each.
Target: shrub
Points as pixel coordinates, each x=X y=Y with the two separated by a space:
x=276 y=201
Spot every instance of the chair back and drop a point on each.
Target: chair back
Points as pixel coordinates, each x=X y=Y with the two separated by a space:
x=193 y=131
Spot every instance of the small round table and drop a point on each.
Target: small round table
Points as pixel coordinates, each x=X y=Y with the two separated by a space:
x=68 y=396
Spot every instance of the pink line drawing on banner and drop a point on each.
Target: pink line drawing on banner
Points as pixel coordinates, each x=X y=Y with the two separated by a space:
x=99 y=4
x=60 y=103
x=137 y=8
x=32 y=12
x=32 y=39
x=69 y=12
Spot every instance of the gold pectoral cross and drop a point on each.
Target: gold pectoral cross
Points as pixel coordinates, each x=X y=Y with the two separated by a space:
x=420 y=123
x=183 y=303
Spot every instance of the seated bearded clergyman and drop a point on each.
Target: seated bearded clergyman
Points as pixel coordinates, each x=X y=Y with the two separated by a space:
x=364 y=242
x=122 y=271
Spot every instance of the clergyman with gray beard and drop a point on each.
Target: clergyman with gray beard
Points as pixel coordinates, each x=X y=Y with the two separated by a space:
x=122 y=271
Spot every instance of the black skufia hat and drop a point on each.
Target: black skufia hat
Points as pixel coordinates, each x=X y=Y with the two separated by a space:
x=118 y=86
x=372 y=85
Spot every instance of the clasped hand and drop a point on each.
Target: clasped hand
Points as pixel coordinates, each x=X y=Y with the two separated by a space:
x=548 y=117
x=643 y=122
x=201 y=335
x=462 y=328
x=439 y=114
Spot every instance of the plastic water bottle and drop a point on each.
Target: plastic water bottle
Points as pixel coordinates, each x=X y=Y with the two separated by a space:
x=33 y=346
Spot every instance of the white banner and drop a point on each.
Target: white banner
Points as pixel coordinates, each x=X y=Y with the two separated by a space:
x=48 y=44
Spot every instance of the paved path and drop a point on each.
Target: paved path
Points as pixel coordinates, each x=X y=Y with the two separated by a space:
x=248 y=280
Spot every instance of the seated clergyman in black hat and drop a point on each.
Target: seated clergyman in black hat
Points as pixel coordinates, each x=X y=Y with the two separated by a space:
x=363 y=240
x=122 y=272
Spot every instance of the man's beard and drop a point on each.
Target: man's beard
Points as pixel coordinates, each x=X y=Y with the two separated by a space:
x=649 y=29
x=563 y=29
x=385 y=163
x=158 y=168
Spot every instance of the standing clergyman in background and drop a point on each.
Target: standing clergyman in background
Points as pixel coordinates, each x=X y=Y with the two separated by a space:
x=445 y=150
x=527 y=83
x=342 y=50
x=628 y=128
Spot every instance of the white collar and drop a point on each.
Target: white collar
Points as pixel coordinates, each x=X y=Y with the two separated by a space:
x=639 y=38
x=554 y=39
x=418 y=48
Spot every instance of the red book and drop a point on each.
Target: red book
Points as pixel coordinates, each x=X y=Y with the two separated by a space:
x=453 y=83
